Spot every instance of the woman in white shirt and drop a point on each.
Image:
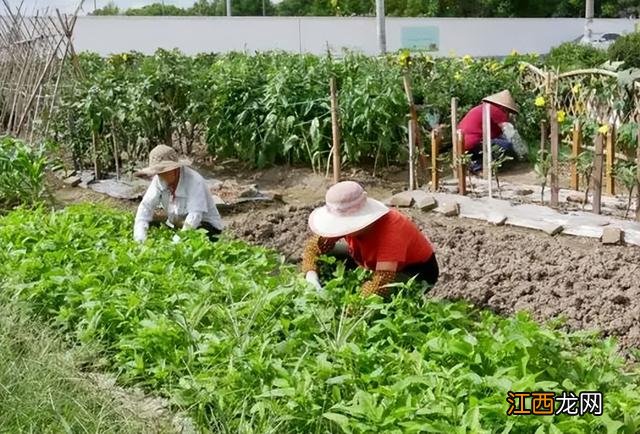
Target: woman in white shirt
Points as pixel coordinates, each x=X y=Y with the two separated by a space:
x=181 y=191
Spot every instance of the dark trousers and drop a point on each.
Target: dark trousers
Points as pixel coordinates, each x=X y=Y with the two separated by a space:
x=504 y=144
x=427 y=271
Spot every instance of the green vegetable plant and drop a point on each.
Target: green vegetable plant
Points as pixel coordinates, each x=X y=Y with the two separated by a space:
x=233 y=335
x=22 y=173
x=499 y=158
x=627 y=173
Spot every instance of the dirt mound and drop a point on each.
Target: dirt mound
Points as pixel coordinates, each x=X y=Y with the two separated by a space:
x=505 y=269
x=284 y=229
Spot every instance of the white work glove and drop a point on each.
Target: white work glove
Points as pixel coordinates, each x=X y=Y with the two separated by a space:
x=519 y=146
x=175 y=239
x=139 y=233
x=312 y=278
x=508 y=130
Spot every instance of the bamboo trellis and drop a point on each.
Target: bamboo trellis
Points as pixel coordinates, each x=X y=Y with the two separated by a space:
x=594 y=95
x=33 y=52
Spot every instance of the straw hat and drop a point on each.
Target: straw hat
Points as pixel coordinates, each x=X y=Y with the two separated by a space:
x=347 y=210
x=162 y=159
x=503 y=99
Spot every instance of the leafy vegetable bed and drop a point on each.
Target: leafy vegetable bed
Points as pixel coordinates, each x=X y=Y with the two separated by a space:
x=231 y=333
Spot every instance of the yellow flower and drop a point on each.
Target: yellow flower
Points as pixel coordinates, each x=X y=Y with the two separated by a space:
x=467 y=59
x=604 y=129
x=522 y=67
x=540 y=102
x=457 y=76
x=561 y=116
x=514 y=52
x=494 y=66
x=576 y=88
x=124 y=57
x=404 y=58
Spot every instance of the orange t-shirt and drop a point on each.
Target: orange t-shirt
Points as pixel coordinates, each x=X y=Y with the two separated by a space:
x=393 y=238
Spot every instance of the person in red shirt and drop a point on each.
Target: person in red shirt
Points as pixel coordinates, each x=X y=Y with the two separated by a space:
x=501 y=106
x=378 y=238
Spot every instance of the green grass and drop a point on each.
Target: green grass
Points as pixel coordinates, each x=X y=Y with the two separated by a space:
x=42 y=389
x=237 y=337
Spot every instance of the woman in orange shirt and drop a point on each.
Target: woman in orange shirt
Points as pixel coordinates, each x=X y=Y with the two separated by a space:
x=378 y=238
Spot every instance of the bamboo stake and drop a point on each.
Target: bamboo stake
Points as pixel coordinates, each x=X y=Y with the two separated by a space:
x=411 y=157
x=335 y=130
x=435 y=144
x=55 y=89
x=26 y=68
x=38 y=84
x=611 y=152
x=596 y=178
x=422 y=158
x=115 y=150
x=486 y=142
x=454 y=133
x=555 y=188
x=94 y=151
x=576 y=146
x=638 y=175
x=462 y=168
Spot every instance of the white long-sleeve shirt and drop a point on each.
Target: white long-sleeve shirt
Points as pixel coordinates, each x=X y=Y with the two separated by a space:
x=192 y=204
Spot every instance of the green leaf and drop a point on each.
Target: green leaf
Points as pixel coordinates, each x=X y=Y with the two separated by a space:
x=341 y=420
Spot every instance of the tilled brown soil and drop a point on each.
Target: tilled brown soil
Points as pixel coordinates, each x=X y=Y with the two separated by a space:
x=504 y=269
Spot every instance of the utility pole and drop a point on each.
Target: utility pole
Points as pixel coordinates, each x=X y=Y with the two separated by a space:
x=264 y=9
x=381 y=30
x=586 y=38
x=228 y=8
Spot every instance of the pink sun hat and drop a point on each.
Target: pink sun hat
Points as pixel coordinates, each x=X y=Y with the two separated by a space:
x=347 y=210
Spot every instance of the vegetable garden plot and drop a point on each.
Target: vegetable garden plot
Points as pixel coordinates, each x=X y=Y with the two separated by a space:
x=229 y=332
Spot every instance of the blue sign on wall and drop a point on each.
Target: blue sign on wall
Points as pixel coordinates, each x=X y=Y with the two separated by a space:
x=423 y=38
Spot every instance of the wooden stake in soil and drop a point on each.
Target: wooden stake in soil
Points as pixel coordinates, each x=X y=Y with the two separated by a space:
x=461 y=168
x=638 y=174
x=335 y=129
x=454 y=133
x=412 y=182
x=596 y=179
x=94 y=151
x=417 y=136
x=486 y=141
x=555 y=188
x=435 y=145
x=611 y=155
x=576 y=149
x=543 y=137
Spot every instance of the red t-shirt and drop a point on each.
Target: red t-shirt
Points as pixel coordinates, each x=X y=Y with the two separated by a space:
x=393 y=238
x=471 y=125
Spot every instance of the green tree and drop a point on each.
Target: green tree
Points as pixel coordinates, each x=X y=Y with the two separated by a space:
x=109 y=9
x=409 y=8
x=156 y=9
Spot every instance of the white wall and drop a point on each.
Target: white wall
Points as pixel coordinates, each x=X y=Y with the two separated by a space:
x=474 y=36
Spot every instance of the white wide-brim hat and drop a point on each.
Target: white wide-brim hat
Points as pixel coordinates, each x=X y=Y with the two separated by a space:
x=162 y=159
x=347 y=210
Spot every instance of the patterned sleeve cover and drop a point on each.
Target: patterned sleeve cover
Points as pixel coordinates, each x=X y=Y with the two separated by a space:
x=376 y=285
x=315 y=247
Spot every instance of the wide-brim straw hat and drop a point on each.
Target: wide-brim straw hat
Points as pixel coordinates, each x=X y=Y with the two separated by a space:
x=162 y=159
x=503 y=99
x=347 y=210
